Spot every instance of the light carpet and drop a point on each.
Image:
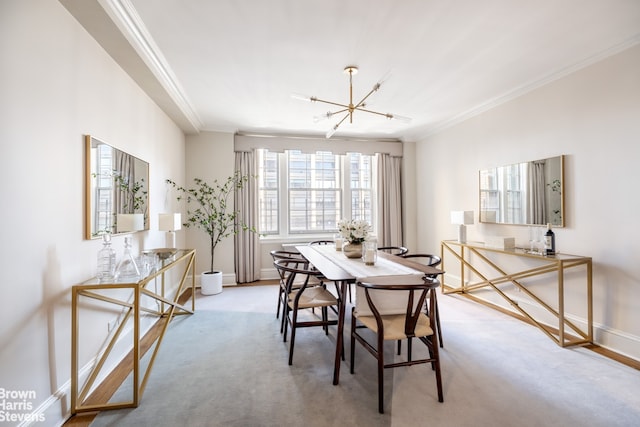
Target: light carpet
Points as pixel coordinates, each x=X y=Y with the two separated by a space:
x=226 y=365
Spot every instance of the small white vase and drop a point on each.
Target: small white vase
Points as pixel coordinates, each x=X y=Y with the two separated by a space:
x=211 y=282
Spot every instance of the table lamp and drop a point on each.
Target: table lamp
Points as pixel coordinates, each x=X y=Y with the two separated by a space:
x=129 y=222
x=462 y=218
x=170 y=222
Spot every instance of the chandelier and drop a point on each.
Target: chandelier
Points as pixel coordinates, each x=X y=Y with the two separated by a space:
x=349 y=109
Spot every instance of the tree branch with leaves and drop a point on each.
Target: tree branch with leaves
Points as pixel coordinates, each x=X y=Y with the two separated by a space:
x=209 y=208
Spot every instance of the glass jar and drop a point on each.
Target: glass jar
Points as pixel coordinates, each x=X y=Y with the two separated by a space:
x=370 y=253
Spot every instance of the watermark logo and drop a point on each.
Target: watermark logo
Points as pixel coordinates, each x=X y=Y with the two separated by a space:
x=17 y=406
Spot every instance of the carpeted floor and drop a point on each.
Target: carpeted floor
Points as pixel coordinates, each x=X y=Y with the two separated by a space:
x=226 y=365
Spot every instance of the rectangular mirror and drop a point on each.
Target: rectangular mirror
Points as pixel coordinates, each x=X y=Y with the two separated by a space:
x=117 y=188
x=528 y=193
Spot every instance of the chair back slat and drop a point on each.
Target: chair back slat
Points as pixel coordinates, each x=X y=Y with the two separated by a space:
x=394 y=250
x=383 y=298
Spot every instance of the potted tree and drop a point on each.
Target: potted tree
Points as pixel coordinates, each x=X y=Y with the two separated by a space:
x=213 y=214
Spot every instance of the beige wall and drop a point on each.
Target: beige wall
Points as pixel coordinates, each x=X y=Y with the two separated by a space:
x=210 y=156
x=590 y=116
x=56 y=85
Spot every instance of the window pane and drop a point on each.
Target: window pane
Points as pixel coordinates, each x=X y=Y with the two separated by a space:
x=314 y=194
x=268 y=192
x=361 y=175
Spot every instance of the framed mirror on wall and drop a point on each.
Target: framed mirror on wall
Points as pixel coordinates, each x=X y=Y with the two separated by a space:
x=527 y=193
x=117 y=189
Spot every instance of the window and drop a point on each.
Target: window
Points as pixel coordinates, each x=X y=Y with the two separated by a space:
x=308 y=193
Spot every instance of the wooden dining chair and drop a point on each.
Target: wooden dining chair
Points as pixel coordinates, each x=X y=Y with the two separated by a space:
x=392 y=310
x=307 y=296
x=432 y=261
x=279 y=254
x=394 y=250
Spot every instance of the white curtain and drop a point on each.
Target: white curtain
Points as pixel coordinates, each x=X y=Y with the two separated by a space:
x=389 y=200
x=124 y=168
x=537 y=202
x=247 y=243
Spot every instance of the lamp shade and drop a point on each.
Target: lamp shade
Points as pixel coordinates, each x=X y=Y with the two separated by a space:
x=461 y=217
x=130 y=222
x=169 y=221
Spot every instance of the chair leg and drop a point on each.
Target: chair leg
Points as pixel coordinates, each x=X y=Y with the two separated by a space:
x=436 y=357
x=283 y=321
x=409 y=341
x=380 y=357
x=280 y=292
x=437 y=313
x=353 y=343
x=285 y=325
x=325 y=319
x=294 y=319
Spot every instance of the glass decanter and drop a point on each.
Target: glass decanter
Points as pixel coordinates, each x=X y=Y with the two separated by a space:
x=127 y=270
x=106 y=260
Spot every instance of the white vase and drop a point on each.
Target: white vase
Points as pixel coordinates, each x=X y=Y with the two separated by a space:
x=211 y=282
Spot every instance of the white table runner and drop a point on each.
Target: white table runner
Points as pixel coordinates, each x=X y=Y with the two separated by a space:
x=388 y=302
x=357 y=268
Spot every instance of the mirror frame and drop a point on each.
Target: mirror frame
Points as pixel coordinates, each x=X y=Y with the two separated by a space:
x=555 y=188
x=138 y=193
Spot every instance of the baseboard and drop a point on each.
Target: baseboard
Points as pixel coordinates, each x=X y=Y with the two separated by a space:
x=268 y=274
x=228 y=279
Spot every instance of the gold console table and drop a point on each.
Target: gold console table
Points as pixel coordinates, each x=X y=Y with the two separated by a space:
x=128 y=298
x=476 y=256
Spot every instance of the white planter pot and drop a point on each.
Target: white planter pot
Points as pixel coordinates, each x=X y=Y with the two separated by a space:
x=211 y=283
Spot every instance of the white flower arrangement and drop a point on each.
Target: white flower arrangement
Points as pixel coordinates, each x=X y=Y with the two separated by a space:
x=354 y=231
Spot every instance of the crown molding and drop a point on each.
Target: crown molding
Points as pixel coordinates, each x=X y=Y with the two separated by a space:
x=128 y=21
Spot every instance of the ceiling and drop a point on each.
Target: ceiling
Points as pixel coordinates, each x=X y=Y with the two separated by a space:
x=232 y=65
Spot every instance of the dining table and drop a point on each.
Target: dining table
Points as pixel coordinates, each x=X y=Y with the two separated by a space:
x=336 y=267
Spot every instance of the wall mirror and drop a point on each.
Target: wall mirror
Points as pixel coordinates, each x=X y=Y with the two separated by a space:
x=528 y=193
x=117 y=188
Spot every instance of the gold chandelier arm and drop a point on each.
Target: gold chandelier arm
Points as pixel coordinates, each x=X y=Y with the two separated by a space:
x=328 y=114
x=314 y=99
x=375 y=89
x=387 y=115
x=307 y=98
x=337 y=125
